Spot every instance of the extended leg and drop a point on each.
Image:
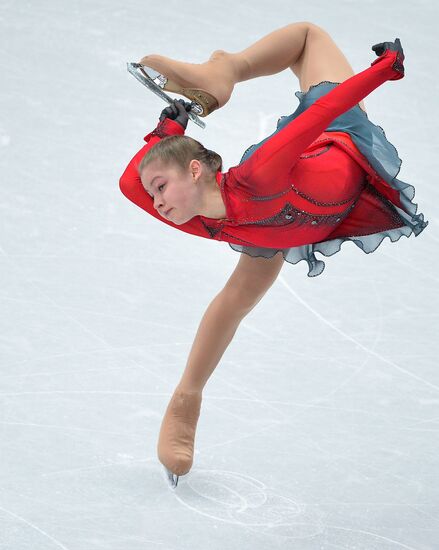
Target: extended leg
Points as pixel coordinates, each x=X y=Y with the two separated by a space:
x=269 y=55
x=305 y=48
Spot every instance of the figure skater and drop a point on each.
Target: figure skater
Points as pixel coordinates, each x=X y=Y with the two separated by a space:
x=325 y=175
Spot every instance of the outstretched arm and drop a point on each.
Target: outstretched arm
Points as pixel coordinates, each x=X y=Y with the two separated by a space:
x=286 y=146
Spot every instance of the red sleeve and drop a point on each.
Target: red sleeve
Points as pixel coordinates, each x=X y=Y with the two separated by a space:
x=271 y=162
x=131 y=185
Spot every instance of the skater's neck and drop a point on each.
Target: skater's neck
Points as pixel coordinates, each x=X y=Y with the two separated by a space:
x=212 y=204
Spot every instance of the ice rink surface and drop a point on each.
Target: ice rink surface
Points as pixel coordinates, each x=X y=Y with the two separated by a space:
x=319 y=428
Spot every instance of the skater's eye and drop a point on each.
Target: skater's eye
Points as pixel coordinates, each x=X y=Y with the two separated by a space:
x=161 y=185
x=151 y=184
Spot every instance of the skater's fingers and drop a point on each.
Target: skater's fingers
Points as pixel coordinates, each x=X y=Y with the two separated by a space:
x=398 y=43
x=187 y=106
x=180 y=105
x=378 y=48
x=183 y=105
x=169 y=112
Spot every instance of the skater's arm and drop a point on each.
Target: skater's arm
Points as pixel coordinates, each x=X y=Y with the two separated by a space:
x=285 y=147
x=165 y=127
x=131 y=185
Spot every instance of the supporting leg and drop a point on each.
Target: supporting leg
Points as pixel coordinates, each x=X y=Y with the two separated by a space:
x=175 y=447
x=215 y=332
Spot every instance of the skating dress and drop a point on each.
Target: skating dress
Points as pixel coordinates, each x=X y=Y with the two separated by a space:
x=325 y=175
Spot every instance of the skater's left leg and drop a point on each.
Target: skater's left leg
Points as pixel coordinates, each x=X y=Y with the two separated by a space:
x=175 y=446
x=245 y=288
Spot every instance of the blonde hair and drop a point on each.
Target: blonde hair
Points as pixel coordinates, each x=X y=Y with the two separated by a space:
x=178 y=151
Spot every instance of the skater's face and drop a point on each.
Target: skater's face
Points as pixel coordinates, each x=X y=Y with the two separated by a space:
x=176 y=195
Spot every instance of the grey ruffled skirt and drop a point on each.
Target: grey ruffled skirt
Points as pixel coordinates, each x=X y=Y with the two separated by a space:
x=381 y=154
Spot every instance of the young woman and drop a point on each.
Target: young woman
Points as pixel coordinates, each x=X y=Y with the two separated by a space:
x=326 y=175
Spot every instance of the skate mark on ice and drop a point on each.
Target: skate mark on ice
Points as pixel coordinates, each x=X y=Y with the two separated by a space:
x=35 y=527
x=105 y=350
x=354 y=340
x=243 y=500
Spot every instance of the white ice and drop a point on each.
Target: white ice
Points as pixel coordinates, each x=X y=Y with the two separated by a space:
x=319 y=428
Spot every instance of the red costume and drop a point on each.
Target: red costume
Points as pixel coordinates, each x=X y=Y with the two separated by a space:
x=303 y=185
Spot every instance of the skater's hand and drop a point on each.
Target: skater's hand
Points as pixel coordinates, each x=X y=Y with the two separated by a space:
x=387 y=49
x=178 y=110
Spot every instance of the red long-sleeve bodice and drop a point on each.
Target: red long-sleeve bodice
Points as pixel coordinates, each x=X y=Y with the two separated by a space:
x=300 y=186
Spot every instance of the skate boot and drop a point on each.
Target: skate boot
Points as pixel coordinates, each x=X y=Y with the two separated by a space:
x=175 y=447
x=209 y=84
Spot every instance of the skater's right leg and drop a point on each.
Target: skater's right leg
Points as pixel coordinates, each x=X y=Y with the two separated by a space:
x=305 y=48
x=269 y=55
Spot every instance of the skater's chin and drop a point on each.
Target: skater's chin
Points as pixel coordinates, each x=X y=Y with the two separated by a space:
x=174 y=217
x=167 y=213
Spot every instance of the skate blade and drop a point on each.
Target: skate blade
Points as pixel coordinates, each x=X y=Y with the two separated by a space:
x=162 y=84
x=203 y=102
x=171 y=478
x=155 y=81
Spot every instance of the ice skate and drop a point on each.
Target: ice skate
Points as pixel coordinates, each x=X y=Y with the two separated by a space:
x=209 y=84
x=175 y=447
x=171 y=478
x=137 y=70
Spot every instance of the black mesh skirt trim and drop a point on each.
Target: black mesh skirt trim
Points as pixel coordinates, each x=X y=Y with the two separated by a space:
x=367 y=243
x=372 y=142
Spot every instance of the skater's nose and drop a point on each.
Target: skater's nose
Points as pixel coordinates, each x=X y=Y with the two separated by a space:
x=159 y=203
x=162 y=209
